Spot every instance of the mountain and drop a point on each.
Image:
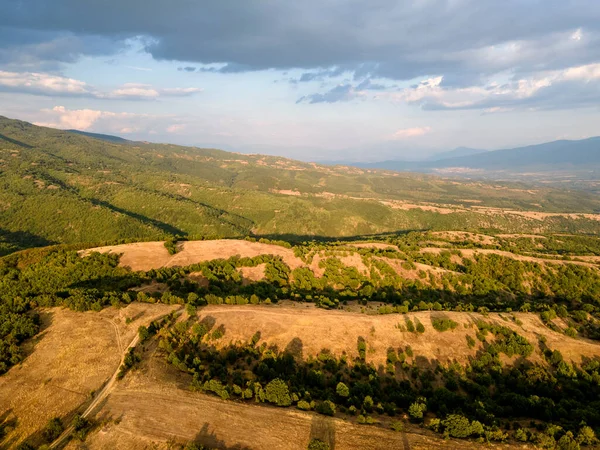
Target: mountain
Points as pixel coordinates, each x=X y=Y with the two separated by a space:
x=104 y=137
x=584 y=152
x=60 y=187
x=550 y=156
x=457 y=153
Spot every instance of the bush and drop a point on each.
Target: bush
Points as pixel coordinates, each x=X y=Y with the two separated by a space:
x=326 y=408
x=396 y=425
x=416 y=410
x=459 y=426
x=303 y=405
x=342 y=390
x=317 y=444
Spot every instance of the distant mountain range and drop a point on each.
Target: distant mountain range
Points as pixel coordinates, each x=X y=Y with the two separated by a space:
x=554 y=155
x=457 y=153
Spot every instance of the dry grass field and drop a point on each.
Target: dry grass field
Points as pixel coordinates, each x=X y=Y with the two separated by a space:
x=151 y=408
x=74 y=355
x=310 y=330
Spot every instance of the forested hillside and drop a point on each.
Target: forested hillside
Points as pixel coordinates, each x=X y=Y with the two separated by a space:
x=63 y=187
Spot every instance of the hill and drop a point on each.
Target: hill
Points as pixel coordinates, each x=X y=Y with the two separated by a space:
x=412 y=341
x=104 y=137
x=60 y=187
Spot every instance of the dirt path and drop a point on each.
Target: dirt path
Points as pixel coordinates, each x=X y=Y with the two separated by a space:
x=105 y=391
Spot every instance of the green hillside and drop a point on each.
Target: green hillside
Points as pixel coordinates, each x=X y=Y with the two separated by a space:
x=64 y=187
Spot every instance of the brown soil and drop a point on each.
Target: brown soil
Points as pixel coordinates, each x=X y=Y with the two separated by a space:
x=251 y=274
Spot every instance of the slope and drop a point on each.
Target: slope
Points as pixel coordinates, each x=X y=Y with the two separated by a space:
x=67 y=188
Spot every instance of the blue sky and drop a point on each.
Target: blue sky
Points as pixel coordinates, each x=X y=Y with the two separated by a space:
x=315 y=80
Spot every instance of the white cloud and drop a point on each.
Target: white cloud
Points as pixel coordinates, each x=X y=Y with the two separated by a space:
x=44 y=84
x=57 y=86
x=80 y=119
x=179 y=92
x=175 y=128
x=135 y=90
x=410 y=132
x=101 y=121
x=494 y=96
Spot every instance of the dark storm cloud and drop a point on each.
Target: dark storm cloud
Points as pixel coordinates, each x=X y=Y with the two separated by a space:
x=401 y=39
x=465 y=41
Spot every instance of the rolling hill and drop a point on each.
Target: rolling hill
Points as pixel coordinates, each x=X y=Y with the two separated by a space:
x=61 y=187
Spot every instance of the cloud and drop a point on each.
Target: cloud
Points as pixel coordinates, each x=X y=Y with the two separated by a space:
x=175 y=128
x=410 y=132
x=340 y=93
x=387 y=38
x=568 y=88
x=80 y=119
x=44 y=84
x=58 y=86
x=100 y=121
x=470 y=44
x=134 y=90
x=137 y=91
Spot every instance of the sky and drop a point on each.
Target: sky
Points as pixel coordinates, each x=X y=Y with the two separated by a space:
x=324 y=80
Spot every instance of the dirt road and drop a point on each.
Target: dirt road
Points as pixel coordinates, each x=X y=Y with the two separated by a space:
x=104 y=392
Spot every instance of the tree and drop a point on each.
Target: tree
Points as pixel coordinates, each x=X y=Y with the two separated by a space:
x=567 y=442
x=459 y=426
x=586 y=436
x=342 y=390
x=53 y=429
x=277 y=392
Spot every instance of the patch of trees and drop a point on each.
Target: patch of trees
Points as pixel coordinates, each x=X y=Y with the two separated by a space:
x=479 y=400
x=443 y=324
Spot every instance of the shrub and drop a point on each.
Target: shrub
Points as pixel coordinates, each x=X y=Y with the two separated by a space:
x=416 y=410
x=396 y=425
x=326 y=408
x=303 y=405
x=317 y=444
x=459 y=426
x=342 y=390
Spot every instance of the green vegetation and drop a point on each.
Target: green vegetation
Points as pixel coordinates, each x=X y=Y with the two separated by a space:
x=443 y=324
x=60 y=187
x=478 y=400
